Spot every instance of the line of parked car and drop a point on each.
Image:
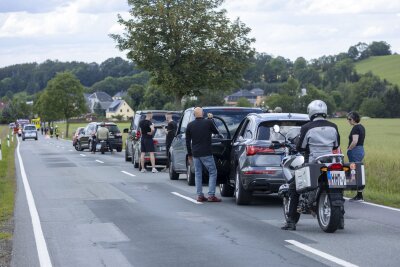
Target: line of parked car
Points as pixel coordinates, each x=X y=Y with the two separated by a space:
x=245 y=161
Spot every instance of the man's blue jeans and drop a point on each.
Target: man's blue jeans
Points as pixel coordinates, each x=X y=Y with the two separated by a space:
x=209 y=163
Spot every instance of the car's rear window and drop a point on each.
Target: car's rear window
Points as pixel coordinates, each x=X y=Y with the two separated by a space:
x=159 y=133
x=232 y=118
x=159 y=118
x=30 y=128
x=112 y=128
x=266 y=132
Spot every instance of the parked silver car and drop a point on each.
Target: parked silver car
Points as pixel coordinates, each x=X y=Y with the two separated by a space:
x=29 y=132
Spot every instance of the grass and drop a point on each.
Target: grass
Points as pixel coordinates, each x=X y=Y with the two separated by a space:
x=382 y=158
x=7 y=184
x=386 y=67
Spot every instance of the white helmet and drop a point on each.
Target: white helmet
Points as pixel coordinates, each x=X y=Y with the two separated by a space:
x=317 y=108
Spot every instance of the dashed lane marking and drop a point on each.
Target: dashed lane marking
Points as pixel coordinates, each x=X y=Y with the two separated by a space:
x=321 y=254
x=99 y=161
x=187 y=198
x=83 y=155
x=127 y=173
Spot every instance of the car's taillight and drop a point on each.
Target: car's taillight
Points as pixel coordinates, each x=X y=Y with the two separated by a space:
x=252 y=150
x=155 y=142
x=335 y=167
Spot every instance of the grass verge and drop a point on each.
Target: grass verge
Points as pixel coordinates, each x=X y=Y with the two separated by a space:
x=7 y=194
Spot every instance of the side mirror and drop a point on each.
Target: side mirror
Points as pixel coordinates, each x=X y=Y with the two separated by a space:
x=276 y=128
x=126 y=130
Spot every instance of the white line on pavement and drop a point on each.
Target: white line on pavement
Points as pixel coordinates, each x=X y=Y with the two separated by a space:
x=70 y=150
x=375 y=205
x=99 y=161
x=83 y=155
x=321 y=254
x=43 y=253
x=187 y=198
x=130 y=174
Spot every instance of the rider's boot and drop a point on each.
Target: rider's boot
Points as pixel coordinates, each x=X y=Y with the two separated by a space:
x=290 y=225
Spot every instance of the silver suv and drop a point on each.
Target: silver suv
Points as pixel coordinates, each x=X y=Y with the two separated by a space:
x=29 y=132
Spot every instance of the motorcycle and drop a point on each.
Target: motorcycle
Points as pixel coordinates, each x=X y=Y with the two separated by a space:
x=320 y=184
x=102 y=146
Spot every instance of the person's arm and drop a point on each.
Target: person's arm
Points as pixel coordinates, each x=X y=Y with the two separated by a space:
x=337 y=144
x=151 y=129
x=354 y=141
x=213 y=127
x=301 y=139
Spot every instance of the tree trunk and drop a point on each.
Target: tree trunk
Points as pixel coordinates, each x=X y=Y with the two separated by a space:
x=178 y=101
x=67 y=129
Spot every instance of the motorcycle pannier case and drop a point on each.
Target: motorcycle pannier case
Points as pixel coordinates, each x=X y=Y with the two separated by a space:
x=307 y=177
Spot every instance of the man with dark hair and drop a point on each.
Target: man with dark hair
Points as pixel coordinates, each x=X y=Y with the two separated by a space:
x=146 y=142
x=198 y=143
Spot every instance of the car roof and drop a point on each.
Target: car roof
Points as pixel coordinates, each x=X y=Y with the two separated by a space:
x=280 y=116
x=29 y=125
x=155 y=111
x=228 y=108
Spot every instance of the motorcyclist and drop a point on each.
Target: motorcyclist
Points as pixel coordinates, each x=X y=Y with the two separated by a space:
x=103 y=134
x=317 y=137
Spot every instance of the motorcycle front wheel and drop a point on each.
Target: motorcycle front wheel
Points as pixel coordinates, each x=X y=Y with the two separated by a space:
x=328 y=215
x=285 y=206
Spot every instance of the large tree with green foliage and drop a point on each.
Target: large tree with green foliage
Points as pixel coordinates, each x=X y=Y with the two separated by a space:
x=61 y=99
x=188 y=46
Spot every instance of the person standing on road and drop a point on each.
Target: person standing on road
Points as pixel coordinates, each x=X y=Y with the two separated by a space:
x=198 y=143
x=56 y=132
x=355 y=150
x=103 y=134
x=146 y=142
x=170 y=130
x=317 y=137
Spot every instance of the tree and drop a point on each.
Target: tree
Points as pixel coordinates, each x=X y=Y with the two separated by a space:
x=379 y=49
x=243 y=102
x=62 y=98
x=187 y=46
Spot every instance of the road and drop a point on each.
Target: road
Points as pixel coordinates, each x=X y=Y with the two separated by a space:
x=97 y=210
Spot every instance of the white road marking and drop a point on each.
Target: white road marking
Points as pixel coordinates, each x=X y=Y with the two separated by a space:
x=99 y=161
x=375 y=205
x=127 y=173
x=187 y=198
x=43 y=253
x=70 y=150
x=321 y=254
x=83 y=155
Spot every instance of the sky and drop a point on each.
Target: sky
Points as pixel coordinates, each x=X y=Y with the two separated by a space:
x=77 y=30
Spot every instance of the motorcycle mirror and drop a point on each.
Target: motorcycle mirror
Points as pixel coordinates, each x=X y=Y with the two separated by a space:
x=276 y=128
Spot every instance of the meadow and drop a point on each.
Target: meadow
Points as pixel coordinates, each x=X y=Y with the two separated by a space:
x=386 y=67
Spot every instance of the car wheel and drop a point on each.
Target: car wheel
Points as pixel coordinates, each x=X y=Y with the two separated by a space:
x=119 y=149
x=242 y=196
x=127 y=158
x=189 y=174
x=226 y=190
x=90 y=145
x=173 y=175
x=79 y=146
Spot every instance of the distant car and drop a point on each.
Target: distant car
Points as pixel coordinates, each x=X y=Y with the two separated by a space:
x=29 y=132
x=132 y=142
x=11 y=125
x=78 y=132
x=254 y=164
x=227 y=120
x=85 y=140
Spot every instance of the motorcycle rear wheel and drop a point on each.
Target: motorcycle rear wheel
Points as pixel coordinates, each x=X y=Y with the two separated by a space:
x=328 y=215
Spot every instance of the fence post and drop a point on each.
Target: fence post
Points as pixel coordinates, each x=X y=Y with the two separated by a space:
x=8 y=140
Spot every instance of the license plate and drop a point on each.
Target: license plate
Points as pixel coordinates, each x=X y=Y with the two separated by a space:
x=337 y=179
x=162 y=148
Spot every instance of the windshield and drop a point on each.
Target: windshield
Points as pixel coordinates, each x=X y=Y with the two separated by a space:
x=232 y=118
x=30 y=128
x=159 y=133
x=287 y=128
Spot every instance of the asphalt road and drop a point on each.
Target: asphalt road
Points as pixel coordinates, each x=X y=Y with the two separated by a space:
x=97 y=210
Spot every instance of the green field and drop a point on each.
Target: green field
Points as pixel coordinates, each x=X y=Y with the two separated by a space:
x=386 y=67
x=382 y=158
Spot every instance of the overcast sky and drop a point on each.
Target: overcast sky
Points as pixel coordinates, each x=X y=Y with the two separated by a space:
x=66 y=30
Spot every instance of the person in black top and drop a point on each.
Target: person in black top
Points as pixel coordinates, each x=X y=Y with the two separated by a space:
x=198 y=143
x=146 y=141
x=355 y=150
x=170 y=130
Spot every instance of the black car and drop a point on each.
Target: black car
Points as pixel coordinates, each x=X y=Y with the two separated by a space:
x=227 y=120
x=254 y=165
x=132 y=143
x=85 y=140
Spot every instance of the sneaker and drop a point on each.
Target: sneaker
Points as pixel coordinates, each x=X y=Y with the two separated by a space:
x=358 y=197
x=143 y=170
x=213 y=199
x=289 y=226
x=201 y=199
x=154 y=170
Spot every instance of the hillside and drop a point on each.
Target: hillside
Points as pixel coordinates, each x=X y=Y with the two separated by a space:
x=386 y=67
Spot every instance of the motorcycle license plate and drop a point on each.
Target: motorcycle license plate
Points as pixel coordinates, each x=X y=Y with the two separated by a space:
x=337 y=179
